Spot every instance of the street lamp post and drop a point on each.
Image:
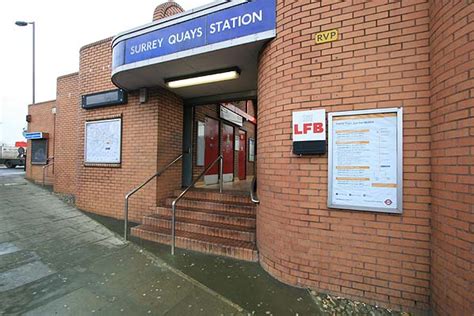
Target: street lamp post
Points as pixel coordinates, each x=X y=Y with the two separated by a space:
x=22 y=23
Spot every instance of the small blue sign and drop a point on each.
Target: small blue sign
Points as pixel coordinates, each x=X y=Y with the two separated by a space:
x=248 y=18
x=36 y=135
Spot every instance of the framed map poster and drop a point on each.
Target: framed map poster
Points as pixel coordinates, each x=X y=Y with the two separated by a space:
x=366 y=160
x=103 y=142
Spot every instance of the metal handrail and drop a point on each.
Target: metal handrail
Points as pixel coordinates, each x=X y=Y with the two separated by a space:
x=173 y=205
x=129 y=194
x=253 y=191
x=45 y=167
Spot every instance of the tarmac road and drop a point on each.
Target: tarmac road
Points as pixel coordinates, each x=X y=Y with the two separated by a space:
x=18 y=171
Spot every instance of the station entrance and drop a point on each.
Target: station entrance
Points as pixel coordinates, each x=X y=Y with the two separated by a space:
x=213 y=79
x=213 y=211
x=227 y=129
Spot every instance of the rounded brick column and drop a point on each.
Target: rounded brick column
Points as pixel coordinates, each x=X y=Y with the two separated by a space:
x=452 y=93
x=379 y=258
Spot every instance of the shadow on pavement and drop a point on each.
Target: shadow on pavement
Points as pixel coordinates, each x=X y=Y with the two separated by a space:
x=244 y=283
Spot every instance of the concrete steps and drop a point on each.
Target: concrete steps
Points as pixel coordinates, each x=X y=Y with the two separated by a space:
x=206 y=221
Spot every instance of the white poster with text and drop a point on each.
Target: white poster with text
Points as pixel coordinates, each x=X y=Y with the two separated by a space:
x=365 y=161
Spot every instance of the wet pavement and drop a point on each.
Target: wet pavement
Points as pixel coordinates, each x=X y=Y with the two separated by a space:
x=57 y=260
x=54 y=260
x=244 y=283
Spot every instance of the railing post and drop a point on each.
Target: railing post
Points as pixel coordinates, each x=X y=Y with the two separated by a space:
x=173 y=227
x=221 y=175
x=125 y=220
x=175 y=202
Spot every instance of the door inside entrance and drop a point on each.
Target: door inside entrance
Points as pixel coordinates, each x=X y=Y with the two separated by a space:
x=211 y=134
x=242 y=155
x=228 y=152
x=230 y=133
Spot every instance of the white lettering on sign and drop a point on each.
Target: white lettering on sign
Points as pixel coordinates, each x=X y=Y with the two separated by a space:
x=185 y=36
x=198 y=32
x=147 y=46
x=309 y=125
x=235 y=22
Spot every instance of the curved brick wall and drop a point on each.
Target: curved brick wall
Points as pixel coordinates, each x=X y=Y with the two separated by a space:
x=167 y=9
x=452 y=93
x=381 y=60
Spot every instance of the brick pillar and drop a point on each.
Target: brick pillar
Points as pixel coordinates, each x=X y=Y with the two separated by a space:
x=67 y=125
x=452 y=128
x=381 y=60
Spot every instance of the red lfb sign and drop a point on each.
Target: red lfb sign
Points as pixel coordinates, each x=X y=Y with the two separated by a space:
x=308 y=128
x=309 y=125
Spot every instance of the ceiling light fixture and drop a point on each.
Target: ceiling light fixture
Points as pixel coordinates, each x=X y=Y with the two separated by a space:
x=203 y=78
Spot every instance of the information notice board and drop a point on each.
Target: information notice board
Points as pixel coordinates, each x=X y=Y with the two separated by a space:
x=365 y=160
x=103 y=142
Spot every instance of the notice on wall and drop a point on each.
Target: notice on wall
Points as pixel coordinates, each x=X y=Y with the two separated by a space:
x=251 y=149
x=237 y=142
x=103 y=142
x=365 y=160
x=201 y=144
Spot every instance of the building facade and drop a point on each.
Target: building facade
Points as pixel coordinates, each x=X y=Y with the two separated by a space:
x=411 y=55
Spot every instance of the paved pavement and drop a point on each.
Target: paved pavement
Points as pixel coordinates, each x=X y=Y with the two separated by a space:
x=56 y=260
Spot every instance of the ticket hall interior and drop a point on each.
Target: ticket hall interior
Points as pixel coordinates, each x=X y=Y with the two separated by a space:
x=250 y=129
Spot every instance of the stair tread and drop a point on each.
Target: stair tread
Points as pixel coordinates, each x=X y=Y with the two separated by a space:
x=236 y=204
x=226 y=192
x=223 y=213
x=218 y=241
x=204 y=223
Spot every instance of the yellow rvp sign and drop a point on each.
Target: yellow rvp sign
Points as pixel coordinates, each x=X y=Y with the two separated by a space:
x=327 y=36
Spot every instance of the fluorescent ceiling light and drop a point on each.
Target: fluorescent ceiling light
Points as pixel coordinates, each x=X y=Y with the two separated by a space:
x=203 y=79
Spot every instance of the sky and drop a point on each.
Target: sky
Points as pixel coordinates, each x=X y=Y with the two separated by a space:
x=62 y=28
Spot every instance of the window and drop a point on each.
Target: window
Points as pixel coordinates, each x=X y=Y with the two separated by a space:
x=39 y=151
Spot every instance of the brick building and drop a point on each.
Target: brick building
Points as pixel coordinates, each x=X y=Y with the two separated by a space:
x=41 y=119
x=412 y=55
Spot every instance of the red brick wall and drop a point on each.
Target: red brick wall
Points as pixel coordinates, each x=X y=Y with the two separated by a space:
x=381 y=60
x=452 y=118
x=170 y=141
x=68 y=105
x=151 y=135
x=166 y=9
x=42 y=120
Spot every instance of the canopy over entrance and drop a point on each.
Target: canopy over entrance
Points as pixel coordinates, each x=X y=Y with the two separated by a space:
x=211 y=50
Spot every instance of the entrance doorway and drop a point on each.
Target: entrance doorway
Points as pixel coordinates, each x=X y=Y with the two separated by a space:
x=211 y=152
x=227 y=143
x=227 y=129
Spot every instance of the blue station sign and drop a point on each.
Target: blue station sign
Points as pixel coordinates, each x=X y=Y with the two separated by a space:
x=245 y=19
x=34 y=135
